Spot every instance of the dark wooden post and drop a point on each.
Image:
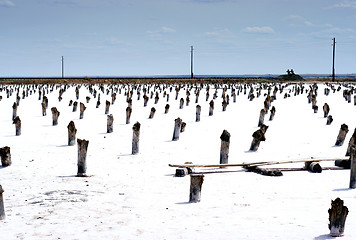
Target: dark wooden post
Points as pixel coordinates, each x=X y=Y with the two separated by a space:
x=258 y=136
x=145 y=100
x=5 y=155
x=128 y=114
x=167 y=97
x=337 y=217
x=70 y=103
x=207 y=96
x=196 y=182
x=152 y=113
x=224 y=105
x=315 y=108
x=2 y=209
x=82 y=155
x=197 y=113
x=55 y=115
x=182 y=128
x=353 y=167
x=187 y=100
x=177 y=126
x=224 y=148
x=75 y=106
x=355 y=100
x=273 y=112
x=72 y=131
x=181 y=103
x=211 y=108
x=109 y=125
x=352 y=143
x=156 y=98
x=97 y=104
x=17 y=122
x=88 y=99
x=166 y=108
x=82 y=109
x=136 y=137
x=313 y=167
x=329 y=120
x=342 y=134
x=107 y=107
x=262 y=117
x=113 y=98
x=326 y=110
x=14 y=111
x=44 y=110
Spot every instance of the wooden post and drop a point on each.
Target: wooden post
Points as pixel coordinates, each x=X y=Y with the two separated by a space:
x=97 y=104
x=55 y=115
x=342 y=134
x=337 y=217
x=145 y=100
x=273 y=112
x=156 y=98
x=352 y=143
x=187 y=100
x=44 y=110
x=181 y=103
x=82 y=155
x=211 y=108
x=313 y=167
x=152 y=113
x=113 y=98
x=224 y=105
x=258 y=136
x=14 y=111
x=75 y=106
x=5 y=155
x=329 y=120
x=197 y=113
x=109 y=125
x=224 y=148
x=2 y=209
x=262 y=117
x=315 y=108
x=88 y=99
x=128 y=114
x=136 y=138
x=72 y=131
x=326 y=110
x=70 y=103
x=77 y=93
x=353 y=167
x=182 y=128
x=177 y=126
x=17 y=122
x=166 y=108
x=196 y=182
x=355 y=100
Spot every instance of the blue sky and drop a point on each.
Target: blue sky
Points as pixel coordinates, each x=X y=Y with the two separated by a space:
x=153 y=37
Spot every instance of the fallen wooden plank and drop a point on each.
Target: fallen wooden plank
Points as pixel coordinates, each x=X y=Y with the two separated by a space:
x=253 y=164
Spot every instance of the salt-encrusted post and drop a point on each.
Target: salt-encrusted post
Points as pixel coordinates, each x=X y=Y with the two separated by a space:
x=181 y=103
x=2 y=209
x=55 y=115
x=262 y=117
x=326 y=110
x=72 y=131
x=344 y=129
x=145 y=100
x=177 y=126
x=196 y=182
x=44 y=110
x=224 y=148
x=75 y=106
x=128 y=114
x=107 y=107
x=14 y=111
x=17 y=122
x=211 y=108
x=329 y=120
x=197 y=113
x=113 y=98
x=166 y=109
x=5 y=155
x=109 y=125
x=152 y=113
x=82 y=155
x=82 y=109
x=224 y=105
x=337 y=217
x=77 y=93
x=136 y=137
x=273 y=112
x=258 y=136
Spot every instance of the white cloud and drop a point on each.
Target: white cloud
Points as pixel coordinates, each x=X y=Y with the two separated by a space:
x=167 y=30
x=345 y=4
x=219 y=32
x=160 y=33
x=300 y=19
x=7 y=4
x=264 y=29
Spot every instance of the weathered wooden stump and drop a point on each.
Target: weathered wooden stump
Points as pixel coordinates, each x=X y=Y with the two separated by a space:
x=329 y=120
x=344 y=129
x=113 y=98
x=211 y=108
x=70 y=103
x=353 y=167
x=273 y=112
x=258 y=136
x=315 y=108
x=82 y=155
x=136 y=138
x=196 y=182
x=224 y=148
x=261 y=119
x=152 y=113
x=337 y=217
x=2 y=209
x=313 y=167
x=82 y=109
x=355 y=100
x=88 y=99
x=197 y=113
x=326 y=110
x=17 y=122
x=44 y=110
x=75 y=106
x=98 y=104
x=145 y=100
x=5 y=156
x=128 y=115
x=72 y=131
x=177 y=126
x=156 y=98
x=107 y=107
x=181 y=103
x=224 y=105
x=166 y=109
x=109 y=125
x=352 y=143
x=182 y=128
x=55 y=115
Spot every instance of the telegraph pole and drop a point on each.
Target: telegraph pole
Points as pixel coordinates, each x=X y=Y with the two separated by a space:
x=62 y=67
x=191 y=61
x=333 y=70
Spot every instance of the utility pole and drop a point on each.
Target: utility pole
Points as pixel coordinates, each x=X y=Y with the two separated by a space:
x=62 y=67
x=191 y=61
x=333 y=77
